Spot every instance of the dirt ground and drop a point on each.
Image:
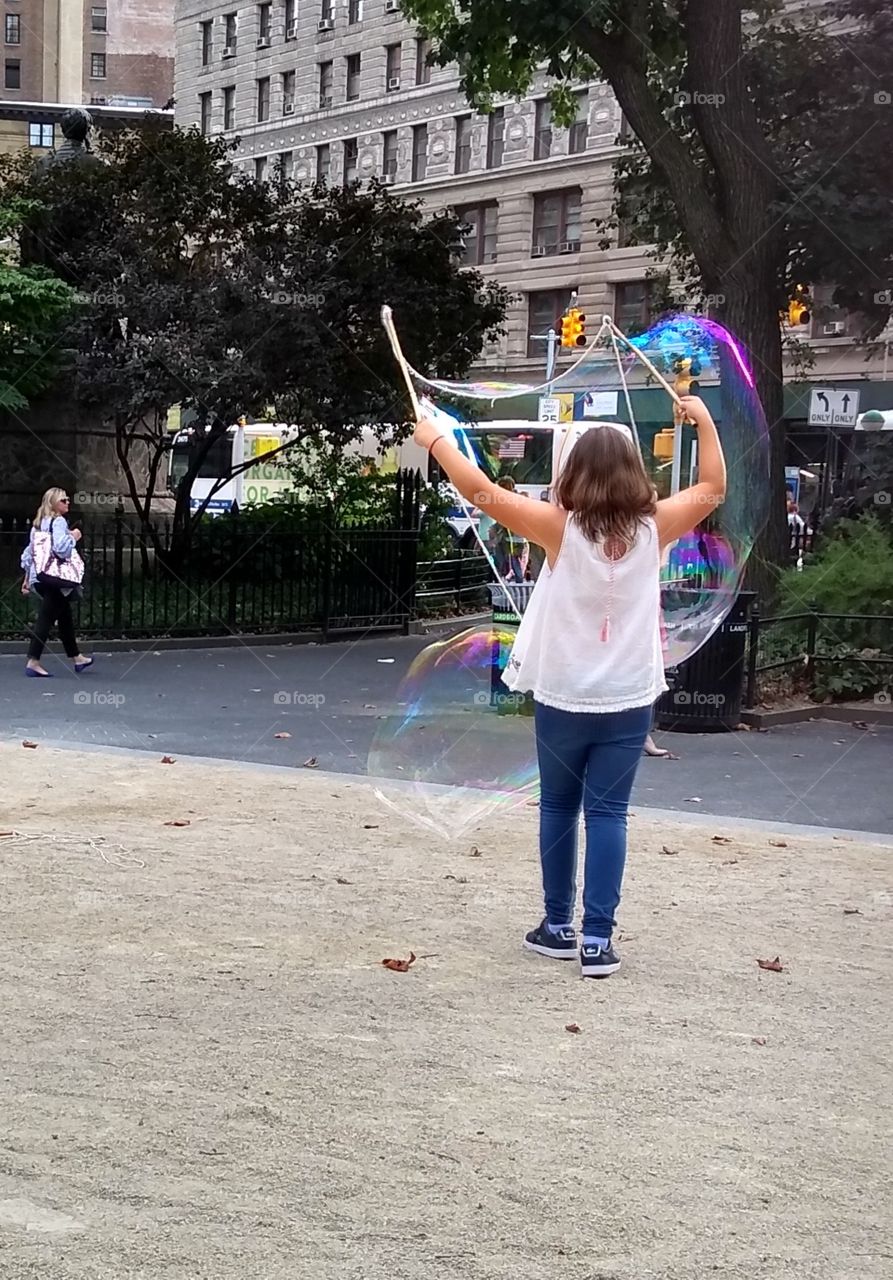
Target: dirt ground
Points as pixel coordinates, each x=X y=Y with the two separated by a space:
x=207 y=1073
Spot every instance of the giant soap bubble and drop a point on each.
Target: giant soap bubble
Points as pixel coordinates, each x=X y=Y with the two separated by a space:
x=452 y=753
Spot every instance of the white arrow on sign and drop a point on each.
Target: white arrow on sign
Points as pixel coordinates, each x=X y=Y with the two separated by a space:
x=833 y=408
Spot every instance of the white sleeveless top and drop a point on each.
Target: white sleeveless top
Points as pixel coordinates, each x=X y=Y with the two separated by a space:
x=590 y=636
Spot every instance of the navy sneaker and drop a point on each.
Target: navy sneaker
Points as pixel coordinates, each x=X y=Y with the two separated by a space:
x=560 y=946
x=598 y=962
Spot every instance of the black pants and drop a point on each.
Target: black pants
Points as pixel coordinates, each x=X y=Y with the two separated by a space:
x=54 y=608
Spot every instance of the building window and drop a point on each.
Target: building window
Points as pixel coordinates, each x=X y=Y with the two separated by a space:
x=263 y=99
x=556 y=223
x=285 y=166
x=354 y=11
x=260 y=169
x=264 y=21
x=626 y=134
x=632 y=305
x=229 y=107
x=480 y=234
x=422 y=66
x=578 y=138
x=392 y=73
x=40 y=135
x=99 y=19
x=291 y=19
x=288 y=92
x=205 y=113
x=326 y=82
x=351 y=148
x=229 y=35
x=389 y=154
x=544 y=311
x=326 y=11
x=323 y=162
x=13 y=29
x=207 y=30
x=97 y=66
x=542 y=137
x=419 y=152
x=463 y=144
x=495 y=137
x=353 y=77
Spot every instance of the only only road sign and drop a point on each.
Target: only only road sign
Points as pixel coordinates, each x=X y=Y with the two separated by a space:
x=833 y=408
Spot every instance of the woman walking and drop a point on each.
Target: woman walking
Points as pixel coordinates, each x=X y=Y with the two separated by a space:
x=50 y=573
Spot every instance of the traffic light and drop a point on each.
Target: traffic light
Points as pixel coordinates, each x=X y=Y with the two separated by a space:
x=663 y=444
x=686 y=369
x=798 y=307
x=573 y=328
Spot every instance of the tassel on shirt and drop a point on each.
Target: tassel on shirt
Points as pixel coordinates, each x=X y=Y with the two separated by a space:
x=606 y=631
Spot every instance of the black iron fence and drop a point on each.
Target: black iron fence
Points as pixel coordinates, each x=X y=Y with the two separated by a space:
x=245 y=574
x=454 y=585
x=812 y=642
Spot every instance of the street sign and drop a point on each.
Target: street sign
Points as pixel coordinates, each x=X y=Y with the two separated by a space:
x=600 y=404
x=550 y=409
x=833 y=408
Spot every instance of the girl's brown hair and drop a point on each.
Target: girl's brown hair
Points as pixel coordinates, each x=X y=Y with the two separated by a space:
x=605 y=485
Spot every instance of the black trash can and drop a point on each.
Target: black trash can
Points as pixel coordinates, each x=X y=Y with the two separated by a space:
x=505 y=620
x=706 y=692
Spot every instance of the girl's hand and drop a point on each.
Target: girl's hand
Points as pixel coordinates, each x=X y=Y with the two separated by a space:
x=428 y=433
x=694 y=408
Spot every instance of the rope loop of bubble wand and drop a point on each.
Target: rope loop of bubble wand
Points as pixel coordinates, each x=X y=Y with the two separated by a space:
x=387 y=320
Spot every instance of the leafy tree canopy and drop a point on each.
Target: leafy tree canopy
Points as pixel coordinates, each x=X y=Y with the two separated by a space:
x=33 y=306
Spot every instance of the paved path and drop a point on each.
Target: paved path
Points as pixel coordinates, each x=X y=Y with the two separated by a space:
x=230 y=703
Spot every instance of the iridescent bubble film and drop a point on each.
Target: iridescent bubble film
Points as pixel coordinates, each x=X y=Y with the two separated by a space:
x=459 y=746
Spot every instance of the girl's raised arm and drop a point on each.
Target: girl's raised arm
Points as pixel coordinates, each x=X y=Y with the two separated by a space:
x=539 y=521
x=680 y=514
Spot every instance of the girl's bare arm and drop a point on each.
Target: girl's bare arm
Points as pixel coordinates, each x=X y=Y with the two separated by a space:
x=685 y=510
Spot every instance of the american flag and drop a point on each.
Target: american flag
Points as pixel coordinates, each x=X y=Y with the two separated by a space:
x=513 y=447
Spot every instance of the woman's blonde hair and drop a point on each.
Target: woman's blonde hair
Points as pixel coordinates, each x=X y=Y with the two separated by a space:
x=47 y=508
x=606 y=486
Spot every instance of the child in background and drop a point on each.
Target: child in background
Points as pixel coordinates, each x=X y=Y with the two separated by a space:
x=589 y=649
x=515 y=548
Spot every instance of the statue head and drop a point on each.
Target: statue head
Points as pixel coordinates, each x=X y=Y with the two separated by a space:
x=76 y=124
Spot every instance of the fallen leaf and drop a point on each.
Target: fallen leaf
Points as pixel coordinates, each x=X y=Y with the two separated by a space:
x=722 y=839
x=798 y=755
x=758 y=1040
x=341 y=880
x=730 y=862
x=692 y=799
x=370 y=826
x=400 y=966
x=474 y=852
x=179 y=822
x=458 y=879
x=851 y=911
x=281 y=735
x=368 y=706
x=839 y=742
x=168 y=760
x=626 y=937
x=779 y=844
x=573 y=1028
x=859 y=724
x=774 y=966
x=671 y=853
x=744 y=727
x=31 y=745
x=310 y=764
x=4 y=834
x=843 y=839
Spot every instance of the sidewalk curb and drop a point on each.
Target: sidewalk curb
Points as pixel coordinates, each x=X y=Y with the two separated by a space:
x=250 y=640
x=678 y=816
x=873 y=715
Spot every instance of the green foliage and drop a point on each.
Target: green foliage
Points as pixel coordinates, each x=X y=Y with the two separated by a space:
x=852 y=573
x=206 y=289
x=33 y=306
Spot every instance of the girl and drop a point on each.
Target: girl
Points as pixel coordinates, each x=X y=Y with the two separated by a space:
x=589 y=649
x=55 y=602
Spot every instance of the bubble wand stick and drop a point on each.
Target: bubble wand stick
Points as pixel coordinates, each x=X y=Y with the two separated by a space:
x=387 y=320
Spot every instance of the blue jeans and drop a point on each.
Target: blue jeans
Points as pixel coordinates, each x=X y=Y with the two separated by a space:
x=586 y=760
